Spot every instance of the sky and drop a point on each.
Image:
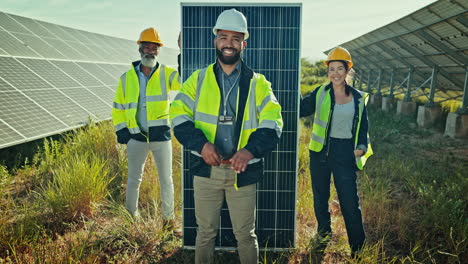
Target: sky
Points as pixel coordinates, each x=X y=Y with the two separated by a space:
x=325 y=23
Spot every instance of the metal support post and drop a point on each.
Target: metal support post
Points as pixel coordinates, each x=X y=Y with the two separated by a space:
x=435 y=71
x=392 y=83
x=368 y=82
x=379 y=82
x=408 y=88
x=464 y=108
x=360 y=81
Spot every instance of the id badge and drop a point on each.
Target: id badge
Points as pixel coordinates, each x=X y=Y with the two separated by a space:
x=226 y=120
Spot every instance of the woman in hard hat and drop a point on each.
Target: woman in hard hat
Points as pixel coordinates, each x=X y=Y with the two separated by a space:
x=339 y=145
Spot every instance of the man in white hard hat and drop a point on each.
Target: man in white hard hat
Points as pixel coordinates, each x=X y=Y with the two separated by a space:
x=140 y=115
x=229 y=118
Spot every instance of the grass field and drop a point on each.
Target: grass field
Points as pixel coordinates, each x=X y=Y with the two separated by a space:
x=66 y=204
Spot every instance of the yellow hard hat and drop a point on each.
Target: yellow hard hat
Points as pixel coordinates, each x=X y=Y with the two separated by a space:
x=339 y=53
x=150 y=35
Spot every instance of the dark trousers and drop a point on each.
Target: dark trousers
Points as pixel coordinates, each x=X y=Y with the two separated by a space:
x=341 y=162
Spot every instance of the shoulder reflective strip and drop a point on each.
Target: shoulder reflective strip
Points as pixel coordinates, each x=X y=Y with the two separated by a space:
x=318 y=138
x=201 y=77
x=180 y=119
x=264 y=103
x=123 y=79
x=159 y=122
x=162 y=79
x=156 y=98
x=120 y=126
x=186 y=100
x=179 y=79
x=171 y=77
x=119 y=106
x=271 y=124
x=207 y=118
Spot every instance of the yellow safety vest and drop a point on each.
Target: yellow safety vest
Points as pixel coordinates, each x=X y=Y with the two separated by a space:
x=322 y=118
x=199 y=101
x=126 y=97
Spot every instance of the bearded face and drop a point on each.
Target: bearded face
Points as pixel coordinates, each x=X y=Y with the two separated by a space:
x=228 y=55
x=229 y=46
x=149 y=54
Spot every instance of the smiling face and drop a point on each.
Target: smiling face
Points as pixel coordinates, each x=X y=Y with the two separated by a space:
x=337 y=72
x=149 y=54
x=229 y=46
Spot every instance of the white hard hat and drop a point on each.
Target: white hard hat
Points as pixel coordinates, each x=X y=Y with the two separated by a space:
x=232 y=20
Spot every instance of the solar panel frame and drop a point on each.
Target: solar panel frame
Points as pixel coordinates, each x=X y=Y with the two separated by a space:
x=282 y=236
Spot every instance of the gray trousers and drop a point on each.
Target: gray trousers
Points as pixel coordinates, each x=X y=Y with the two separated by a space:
x=162 y=153
x=209 y=197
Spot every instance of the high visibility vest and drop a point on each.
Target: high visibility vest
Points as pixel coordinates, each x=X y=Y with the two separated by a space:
x=322 y=118
x=199 y=101
x=157 y=98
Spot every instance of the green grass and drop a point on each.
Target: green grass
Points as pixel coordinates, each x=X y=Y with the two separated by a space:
x=66 y=205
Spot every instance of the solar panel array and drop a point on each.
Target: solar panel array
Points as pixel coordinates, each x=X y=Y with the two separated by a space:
x=433 y=35
x=273 y=50
x=55 y=78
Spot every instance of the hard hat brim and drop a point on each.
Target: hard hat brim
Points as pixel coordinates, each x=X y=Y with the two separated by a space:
x=246 y=33
x=159 y=43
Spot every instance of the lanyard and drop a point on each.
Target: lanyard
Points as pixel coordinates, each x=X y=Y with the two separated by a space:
x=228 y=92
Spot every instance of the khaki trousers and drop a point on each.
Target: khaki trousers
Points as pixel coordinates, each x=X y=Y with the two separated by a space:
x=209 y=197
x=162 y=153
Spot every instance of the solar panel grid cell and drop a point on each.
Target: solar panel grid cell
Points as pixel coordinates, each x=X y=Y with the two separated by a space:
x=50 y=72
x=11 y=25
x=19 y=76
x=64 y=49
x=61 y=106
x=38 y=45
x=8 y=135
x=15 y=47
x=33 y=26
x=27 y=117
x=90 y=102
x=77 y=73
x=99 y=73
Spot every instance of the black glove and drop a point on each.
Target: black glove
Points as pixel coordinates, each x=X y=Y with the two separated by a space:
x=123 y=136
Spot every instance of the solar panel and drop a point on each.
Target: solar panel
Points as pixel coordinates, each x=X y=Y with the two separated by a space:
x=63 y=108
x=33 y=26
x=27 y=117
x=8 y=135
x=100 y=108
x=11 y=25
x=19 y=76
x=40 y=46
x=14 y=47
x=273 y=50
x=54 y=78
x=99 y=73
x=50 y=72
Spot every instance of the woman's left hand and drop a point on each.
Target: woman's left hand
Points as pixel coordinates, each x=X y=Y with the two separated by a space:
x=358 y=152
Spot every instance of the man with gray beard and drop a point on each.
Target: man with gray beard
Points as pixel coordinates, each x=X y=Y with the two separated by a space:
x=140 y=115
